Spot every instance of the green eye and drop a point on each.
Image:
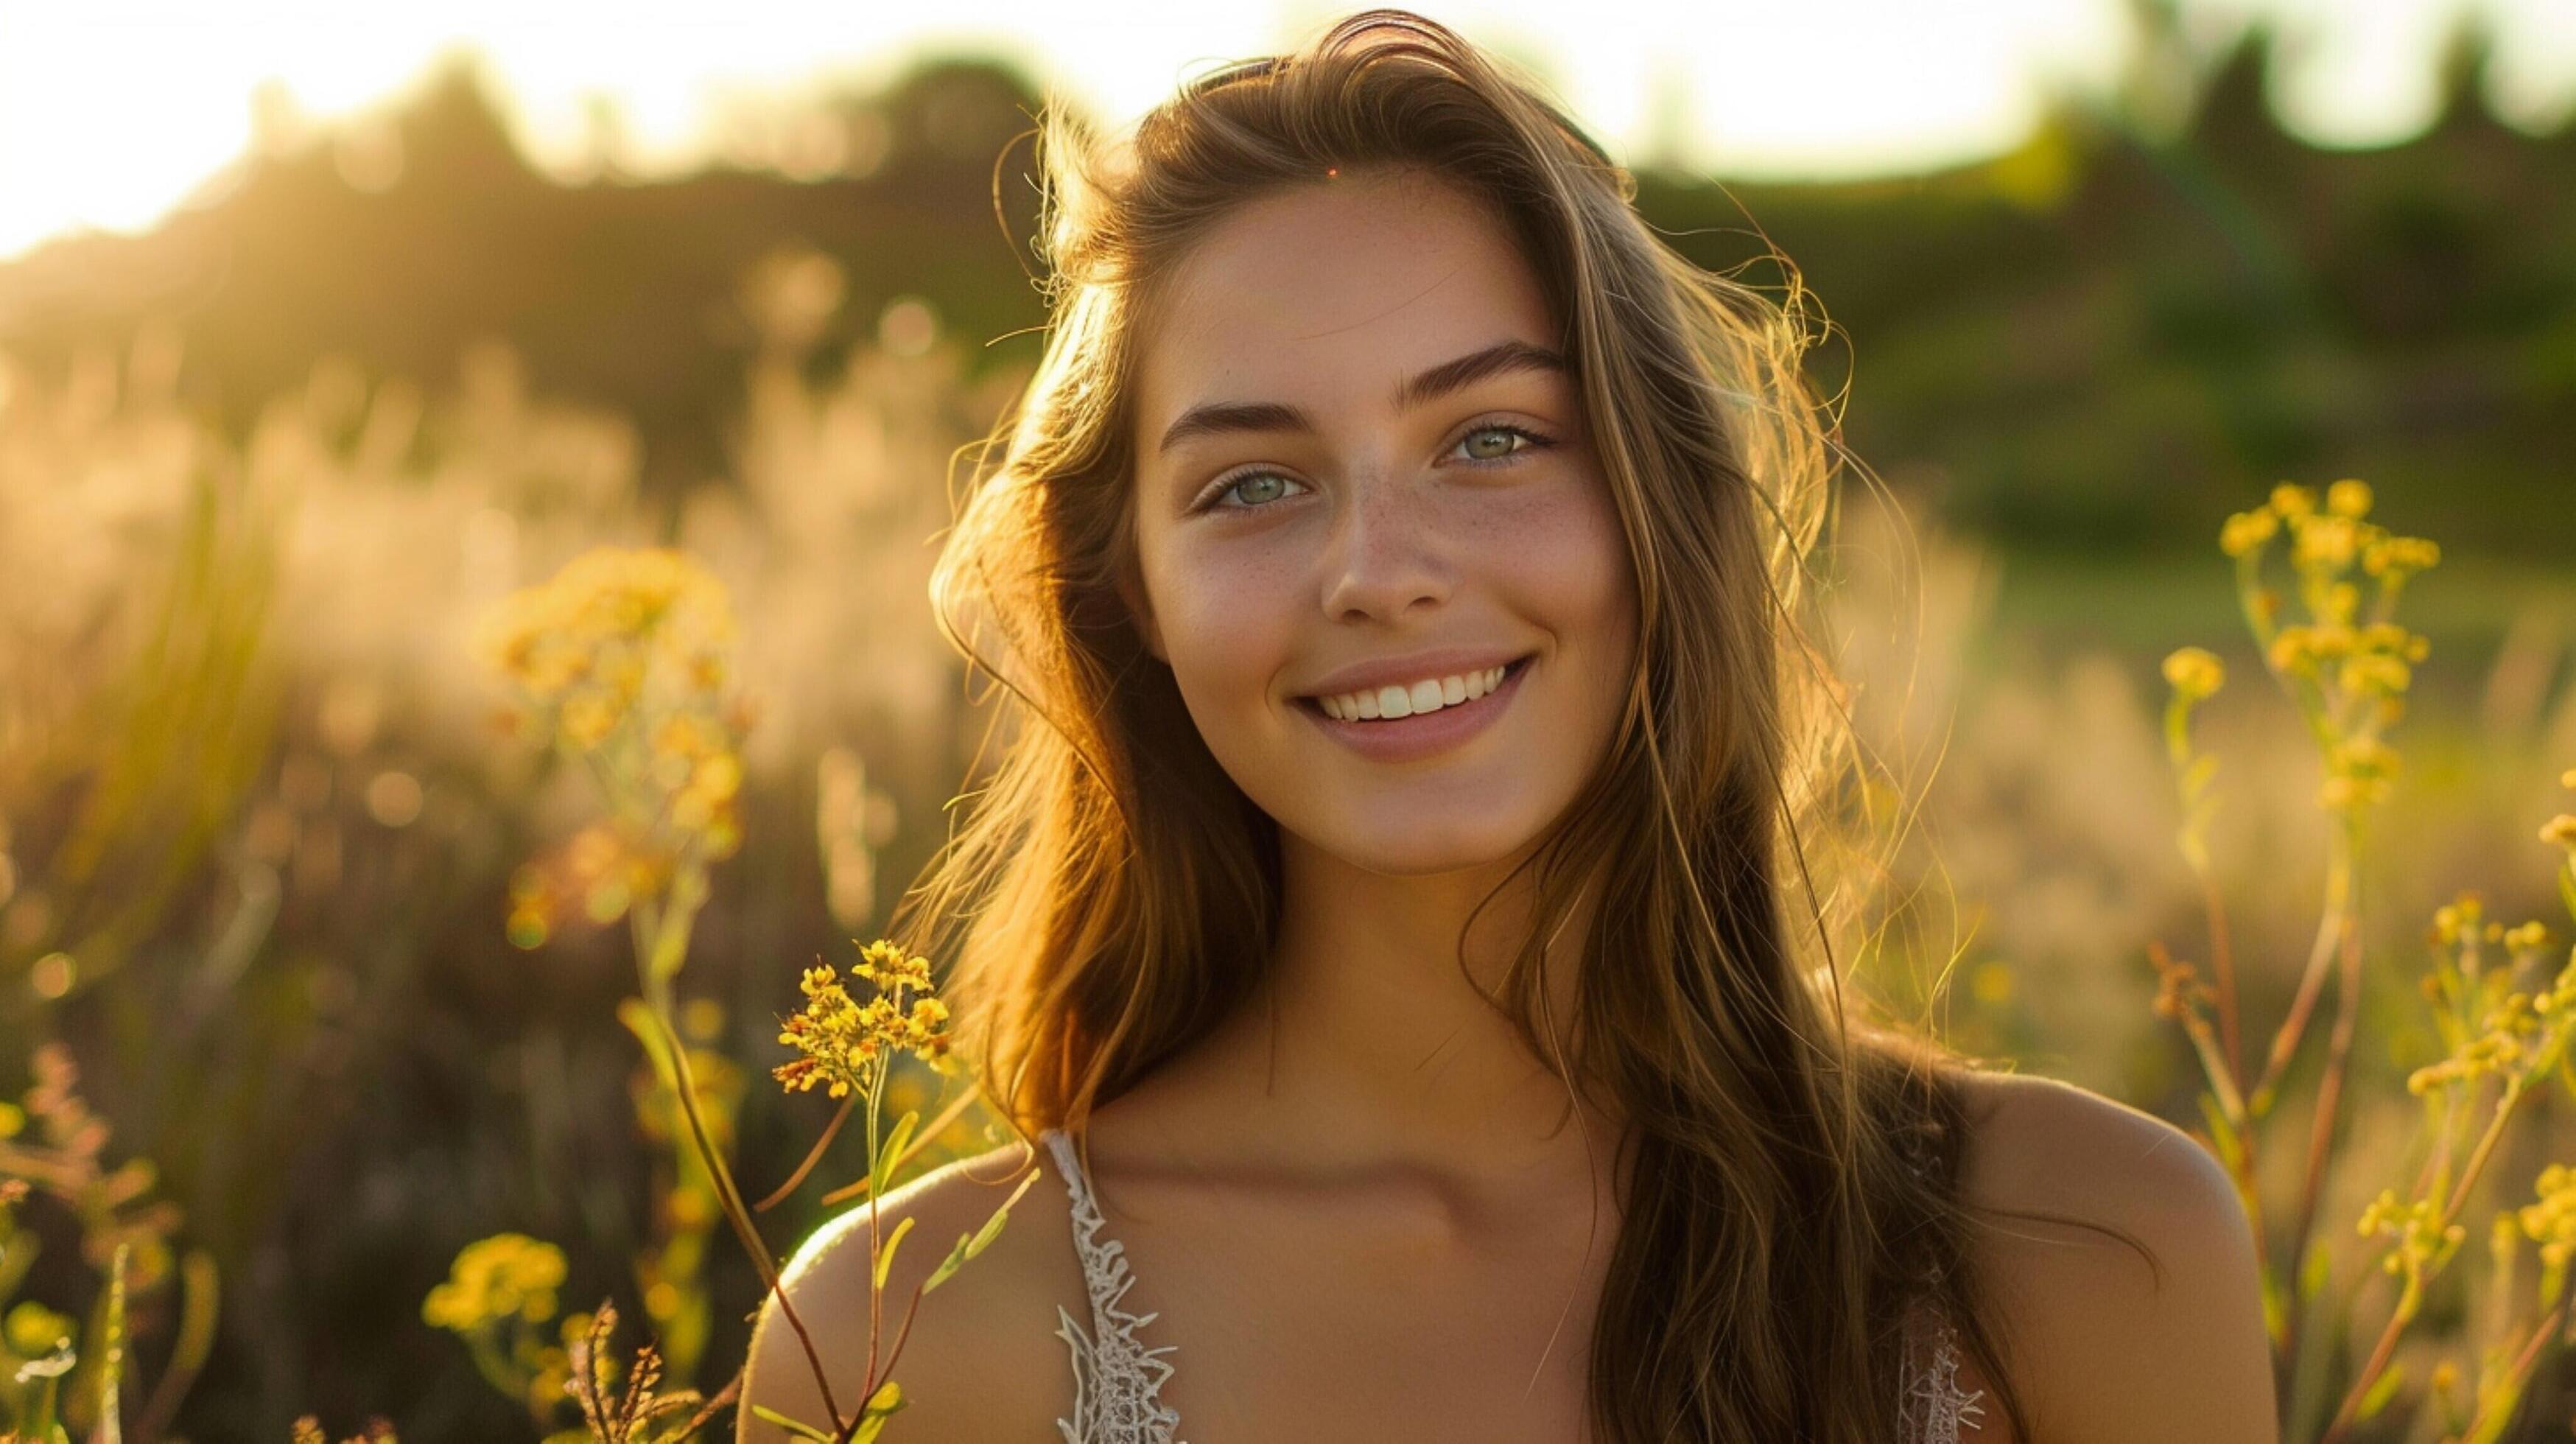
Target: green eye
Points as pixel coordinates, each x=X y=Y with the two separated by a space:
x=1529 y=441
x=1246 y=484
x=1254 y=490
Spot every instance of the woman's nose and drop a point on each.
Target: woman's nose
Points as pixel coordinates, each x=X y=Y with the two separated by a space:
x=1386 y=552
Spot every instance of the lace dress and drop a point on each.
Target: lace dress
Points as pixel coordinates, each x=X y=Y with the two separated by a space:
x=1118 y=1382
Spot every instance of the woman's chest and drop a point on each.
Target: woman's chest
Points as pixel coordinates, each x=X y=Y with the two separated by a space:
x=1394 y=1317
x=1399 y=1327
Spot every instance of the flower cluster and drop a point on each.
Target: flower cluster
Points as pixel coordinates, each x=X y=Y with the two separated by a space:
x=639 y=643
x=2463 y=923
x=2560 y=831
x=2332 y=534
x=2516 y=1032
x=2551 y=1222
x=2419 y=1241
x=2195 y=673
x=2464 y=919
x=2360 y=771
x=499 y=1298
x=2325 y=541
x=2180 y=994
x=846 y=1043
x=598 y=871
x=2373 y=660
x=494 y=1280
x=590 y=643
x=53 y=1142
x=2348 y=672
x=2247 y=530
x=623 y=659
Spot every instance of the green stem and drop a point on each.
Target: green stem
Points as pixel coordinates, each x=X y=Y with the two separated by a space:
x=2407 y=1302
x=2517 y=1376
x=876 y=1319
x=2285 y=1042
x=657 y=1002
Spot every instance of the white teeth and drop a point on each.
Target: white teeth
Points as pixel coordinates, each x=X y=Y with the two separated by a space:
x=1428 y=695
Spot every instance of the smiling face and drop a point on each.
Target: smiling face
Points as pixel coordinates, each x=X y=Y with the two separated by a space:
x=1364 y=481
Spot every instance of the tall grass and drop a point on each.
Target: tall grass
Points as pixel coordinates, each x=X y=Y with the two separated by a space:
x=354 y=1040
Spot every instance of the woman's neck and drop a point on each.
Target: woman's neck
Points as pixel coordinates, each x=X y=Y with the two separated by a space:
x=1365 y=1043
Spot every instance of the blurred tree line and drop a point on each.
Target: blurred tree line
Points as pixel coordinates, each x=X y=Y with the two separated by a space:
x=2096 y=341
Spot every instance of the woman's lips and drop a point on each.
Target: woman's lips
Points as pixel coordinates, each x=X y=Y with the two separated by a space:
x=1424 y=734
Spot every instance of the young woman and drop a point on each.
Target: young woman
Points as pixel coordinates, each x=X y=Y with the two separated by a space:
x=1393 y=919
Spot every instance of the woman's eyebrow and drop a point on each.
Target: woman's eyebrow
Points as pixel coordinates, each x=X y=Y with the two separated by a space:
x=1216 y=417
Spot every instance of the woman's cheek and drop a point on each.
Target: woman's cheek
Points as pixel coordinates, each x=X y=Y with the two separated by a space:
x=1229 y=625
x=1574 y=577
x=1555 y=550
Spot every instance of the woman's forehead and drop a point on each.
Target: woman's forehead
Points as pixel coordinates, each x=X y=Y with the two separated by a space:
x=1361 y=286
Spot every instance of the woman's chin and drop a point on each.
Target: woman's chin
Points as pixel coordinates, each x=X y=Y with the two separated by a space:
x=1413 y=848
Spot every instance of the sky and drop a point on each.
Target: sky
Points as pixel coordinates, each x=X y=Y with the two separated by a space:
x=112 y=112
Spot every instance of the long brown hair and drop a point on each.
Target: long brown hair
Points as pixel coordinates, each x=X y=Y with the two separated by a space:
x=1110 y=893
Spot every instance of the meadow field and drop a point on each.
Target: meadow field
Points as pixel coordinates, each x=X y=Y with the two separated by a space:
x=361 y=1045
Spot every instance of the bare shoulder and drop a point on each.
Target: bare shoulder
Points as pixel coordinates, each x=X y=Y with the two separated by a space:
x=981 y=1359
x=2108 y=1346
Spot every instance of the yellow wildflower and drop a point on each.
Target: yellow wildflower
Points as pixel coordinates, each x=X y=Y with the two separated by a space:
x=2560 y=830
x=2293 y=501
x=2555 y=1004
x=2415 y=1231
x=2247 y=530
x=2294 y=649
x=589 y=717
x=2373 y=672
x=2333 y=640
x=2551 y=1221
x=508 y=1275
x=588 y=619
x=2396 y=641
x=2396 y=556
x=2516 y=1030
x=2366 y=764
x=2348 y=498
x=631 y=644
x=2458 y=918
x=886 y=965
x=846 y=1044
x=2326 y=541
x=688 y=736
x=2195 y=672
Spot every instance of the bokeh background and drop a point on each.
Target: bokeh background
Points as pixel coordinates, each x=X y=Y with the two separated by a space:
x=314 y=344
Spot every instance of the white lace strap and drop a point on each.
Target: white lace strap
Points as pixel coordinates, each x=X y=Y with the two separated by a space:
x=1934 y=1404
x=1117 y=1382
